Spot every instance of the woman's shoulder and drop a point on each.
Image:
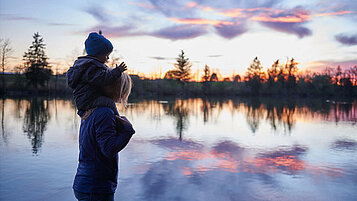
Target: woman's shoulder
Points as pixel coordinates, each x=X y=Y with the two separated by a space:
x=103 y=111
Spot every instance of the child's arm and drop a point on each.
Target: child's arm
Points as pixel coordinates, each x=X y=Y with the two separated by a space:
x=102 y=77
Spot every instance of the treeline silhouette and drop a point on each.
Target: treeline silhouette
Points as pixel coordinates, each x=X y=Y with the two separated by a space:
x=35 y=76
x=281 y=79
x=330 y=83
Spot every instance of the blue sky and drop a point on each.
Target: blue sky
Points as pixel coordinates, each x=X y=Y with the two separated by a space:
x=225 y=34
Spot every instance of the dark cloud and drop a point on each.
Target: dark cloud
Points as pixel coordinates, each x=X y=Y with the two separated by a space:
x=116 y=31
x=216 y=55
x=160 y=58
x=12 y=17
x=290 y=28
x=98 y=13
x=17 y=18
x=172 y=33
x=180 y=32
x=347 y=40
x=230 y=31
x=269 y=13
x=227 y=4
x=172 y=8
x=60 y=24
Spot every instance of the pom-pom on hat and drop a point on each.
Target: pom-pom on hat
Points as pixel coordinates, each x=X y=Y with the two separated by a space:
x=96 y=44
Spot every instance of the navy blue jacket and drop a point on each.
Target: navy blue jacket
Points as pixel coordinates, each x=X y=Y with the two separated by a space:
x=86 y=78
x=100 y=140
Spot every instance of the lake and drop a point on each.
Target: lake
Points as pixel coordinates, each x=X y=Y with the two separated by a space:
x=191 y=149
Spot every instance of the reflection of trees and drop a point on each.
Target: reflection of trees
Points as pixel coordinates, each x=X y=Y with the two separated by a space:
x=35 y=122
x=206 y=108
x=288 y=116
x=254 y=114
x=179 y=110
x=3 y=132
x=208 y=105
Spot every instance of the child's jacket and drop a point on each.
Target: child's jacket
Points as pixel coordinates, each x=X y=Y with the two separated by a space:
x=86 y=77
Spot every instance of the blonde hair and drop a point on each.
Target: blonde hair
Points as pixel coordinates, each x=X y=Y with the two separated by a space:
x=119 y=92
x=123 y=85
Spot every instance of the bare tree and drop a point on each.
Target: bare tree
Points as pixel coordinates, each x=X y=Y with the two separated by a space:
x=6 y=51
x=207 y=73
x=353 y=72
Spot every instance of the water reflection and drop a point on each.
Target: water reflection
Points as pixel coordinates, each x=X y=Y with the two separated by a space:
x=281 y=115
x=228 y=169
x=230 y=157
x=4 y=134
x=35 y=122
x=192 y=149
x=179 y=110
x=345 y=144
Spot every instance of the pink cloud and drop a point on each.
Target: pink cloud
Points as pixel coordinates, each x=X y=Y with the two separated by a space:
x=201 y=21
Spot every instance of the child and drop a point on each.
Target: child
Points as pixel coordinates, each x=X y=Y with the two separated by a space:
x=89 y=75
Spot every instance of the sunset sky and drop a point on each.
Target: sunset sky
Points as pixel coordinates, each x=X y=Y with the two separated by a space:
x=224 y=34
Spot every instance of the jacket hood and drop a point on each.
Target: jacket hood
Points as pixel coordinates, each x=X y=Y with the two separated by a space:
x=75 y=73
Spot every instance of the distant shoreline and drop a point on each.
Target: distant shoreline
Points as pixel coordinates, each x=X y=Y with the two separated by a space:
x=17 y=86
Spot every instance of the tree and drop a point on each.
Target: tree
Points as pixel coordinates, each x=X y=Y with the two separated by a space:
x=338 y=75
x=273 y=72
x=206 y=73
x=236 y=78
x=183 y=67
x=254 y=75
x=38 y=71
x=353 y=72
x=171 y=74
x=254 y=71
x=291 y=69
x=6 y=51
x=206 y=79
x=214 y=77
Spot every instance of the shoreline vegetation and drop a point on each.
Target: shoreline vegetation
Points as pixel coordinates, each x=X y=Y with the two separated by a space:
x=319 y=86
x=35 y=77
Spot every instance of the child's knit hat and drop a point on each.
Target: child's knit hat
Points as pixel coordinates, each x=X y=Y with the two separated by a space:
x=97 y=44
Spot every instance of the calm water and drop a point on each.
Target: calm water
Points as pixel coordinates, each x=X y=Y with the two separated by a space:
x=190 y=150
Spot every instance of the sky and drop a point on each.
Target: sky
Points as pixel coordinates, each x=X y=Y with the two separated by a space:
x=226 y=35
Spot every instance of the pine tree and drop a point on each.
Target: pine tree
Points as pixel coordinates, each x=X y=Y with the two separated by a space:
x=183 y=67
x=37 y=68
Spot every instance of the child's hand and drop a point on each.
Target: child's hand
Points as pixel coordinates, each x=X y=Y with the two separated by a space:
x=122 y=66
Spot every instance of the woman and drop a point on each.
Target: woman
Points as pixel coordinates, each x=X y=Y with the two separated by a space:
x=102 y=135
